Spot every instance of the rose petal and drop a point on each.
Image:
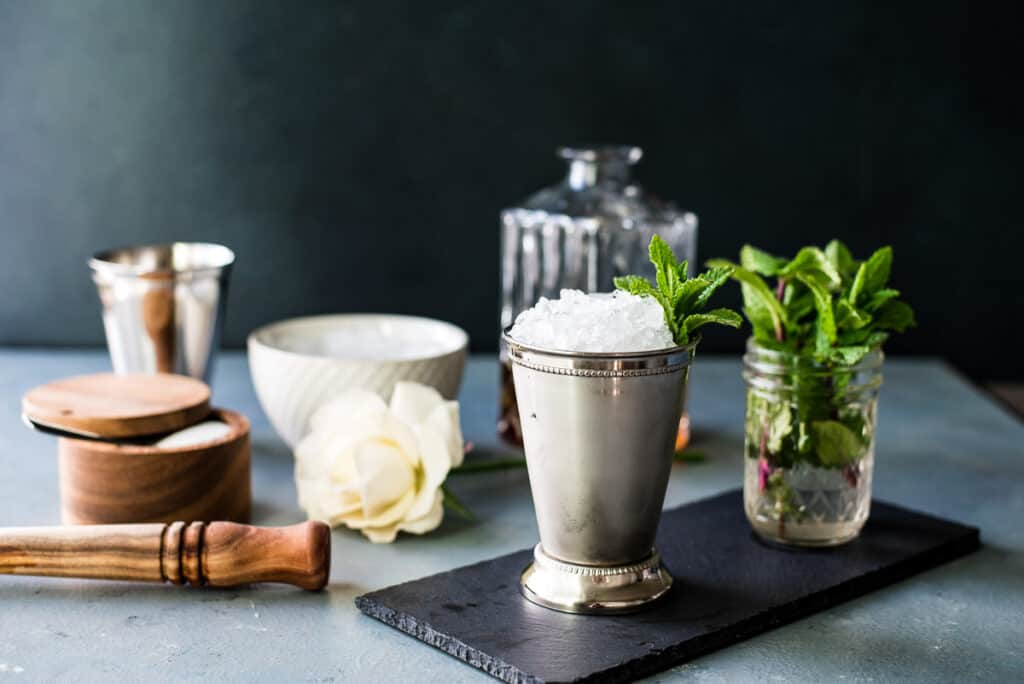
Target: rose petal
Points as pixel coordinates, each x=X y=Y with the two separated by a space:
x=389 y=516
x=445 y=419
x=372 y=426
x=413 y=402
x=381 y=535
x=428 y=522
x=345 y=408
x=435 y=462
x=384 y=476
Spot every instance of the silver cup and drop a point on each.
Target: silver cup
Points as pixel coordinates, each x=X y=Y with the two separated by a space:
x=163 y=306
x=599 y=432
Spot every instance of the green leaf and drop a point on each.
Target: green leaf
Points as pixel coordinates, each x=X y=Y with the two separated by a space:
x=840 y=257
x=682 y=270
x=894 y=315
x=865 y=337
x=811 y=259
x=754 y=259
x=876 y=339
x=713 y=279
x=878 y=266
x=825 y=326
x=634 y=284
x=457 y=507
x=779 y=426
x=847 y=356
x=849 y=318
x=879 y=298
x=872 y=275
x=765 y=313
x=665 y=267
x=679 y=296
x=720 y=316
x=798 y=305
x=689 y=291
x=836 y=444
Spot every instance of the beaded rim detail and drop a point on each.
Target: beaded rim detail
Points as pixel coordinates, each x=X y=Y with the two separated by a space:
x=595 y=372
x=651 y=562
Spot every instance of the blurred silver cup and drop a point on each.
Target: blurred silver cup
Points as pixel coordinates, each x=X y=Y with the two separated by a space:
x=163 y=306
x=599 y=432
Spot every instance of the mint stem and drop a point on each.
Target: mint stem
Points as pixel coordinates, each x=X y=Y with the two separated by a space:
x=780 y=292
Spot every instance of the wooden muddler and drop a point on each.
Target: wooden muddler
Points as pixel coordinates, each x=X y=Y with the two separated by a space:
x=217 y=554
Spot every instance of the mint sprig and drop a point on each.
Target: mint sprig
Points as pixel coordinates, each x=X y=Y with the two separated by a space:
x=832 y=309
x=682 y=299
x=824 y=304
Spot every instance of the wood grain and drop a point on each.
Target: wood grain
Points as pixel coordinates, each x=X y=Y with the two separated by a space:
x=235 y=554
x=218 y=554
x=119 y=406
x=103 y=482
x=130 y=552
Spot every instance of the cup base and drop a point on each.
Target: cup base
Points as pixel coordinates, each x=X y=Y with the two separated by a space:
x=594 y=590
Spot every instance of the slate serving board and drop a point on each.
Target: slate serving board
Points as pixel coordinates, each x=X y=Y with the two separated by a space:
x=728 y=586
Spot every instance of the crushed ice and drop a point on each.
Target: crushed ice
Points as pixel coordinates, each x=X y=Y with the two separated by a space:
x=604 y=322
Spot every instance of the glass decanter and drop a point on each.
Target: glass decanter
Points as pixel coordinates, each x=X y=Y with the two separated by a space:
x=583 y=232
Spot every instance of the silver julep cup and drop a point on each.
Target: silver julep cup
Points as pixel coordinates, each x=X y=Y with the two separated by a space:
x=599 y=432
x=163 y=306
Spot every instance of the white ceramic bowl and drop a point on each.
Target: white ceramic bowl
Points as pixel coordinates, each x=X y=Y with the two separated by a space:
x=299 y=364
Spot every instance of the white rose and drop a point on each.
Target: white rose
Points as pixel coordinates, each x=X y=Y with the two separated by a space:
x=379 y=468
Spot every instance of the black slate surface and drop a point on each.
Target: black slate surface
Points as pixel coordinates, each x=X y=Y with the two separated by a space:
x=728 y=586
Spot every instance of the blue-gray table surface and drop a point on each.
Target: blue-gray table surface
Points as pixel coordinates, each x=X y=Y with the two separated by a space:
x=943 y=448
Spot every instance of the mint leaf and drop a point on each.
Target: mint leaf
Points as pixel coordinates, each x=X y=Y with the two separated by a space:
x=822 y=299
x=840 y=258
x=878 y=267
x=872 y=275
x=713 y=279
x=665 y=266
x=689 y=291
x=763 y=309
x=836 y=444
x=894 y=315
x=682 y=299
x=634 y=284
x=825 y=326
x=881 y=297
x=753 y=259
x=847 y=356
x=780 y=425
x=720 y=316
x=847 y=317
x=811 y=259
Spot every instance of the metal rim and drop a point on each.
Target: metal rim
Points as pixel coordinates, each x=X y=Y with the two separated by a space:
x=599 y=364
x=221 y=257
x=629 y=154
x=588 y=590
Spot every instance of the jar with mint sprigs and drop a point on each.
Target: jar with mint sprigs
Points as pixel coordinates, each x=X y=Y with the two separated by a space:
x=813 y=369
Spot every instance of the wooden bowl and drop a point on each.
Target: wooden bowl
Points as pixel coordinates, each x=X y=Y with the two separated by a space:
x=107 y=482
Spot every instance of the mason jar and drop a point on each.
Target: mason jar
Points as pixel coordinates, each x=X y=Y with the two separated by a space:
x=809 y=445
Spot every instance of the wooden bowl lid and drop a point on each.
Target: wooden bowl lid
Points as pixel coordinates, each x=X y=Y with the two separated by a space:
x=112 y=406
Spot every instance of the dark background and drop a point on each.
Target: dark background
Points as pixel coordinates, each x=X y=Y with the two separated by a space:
x=355 y=155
